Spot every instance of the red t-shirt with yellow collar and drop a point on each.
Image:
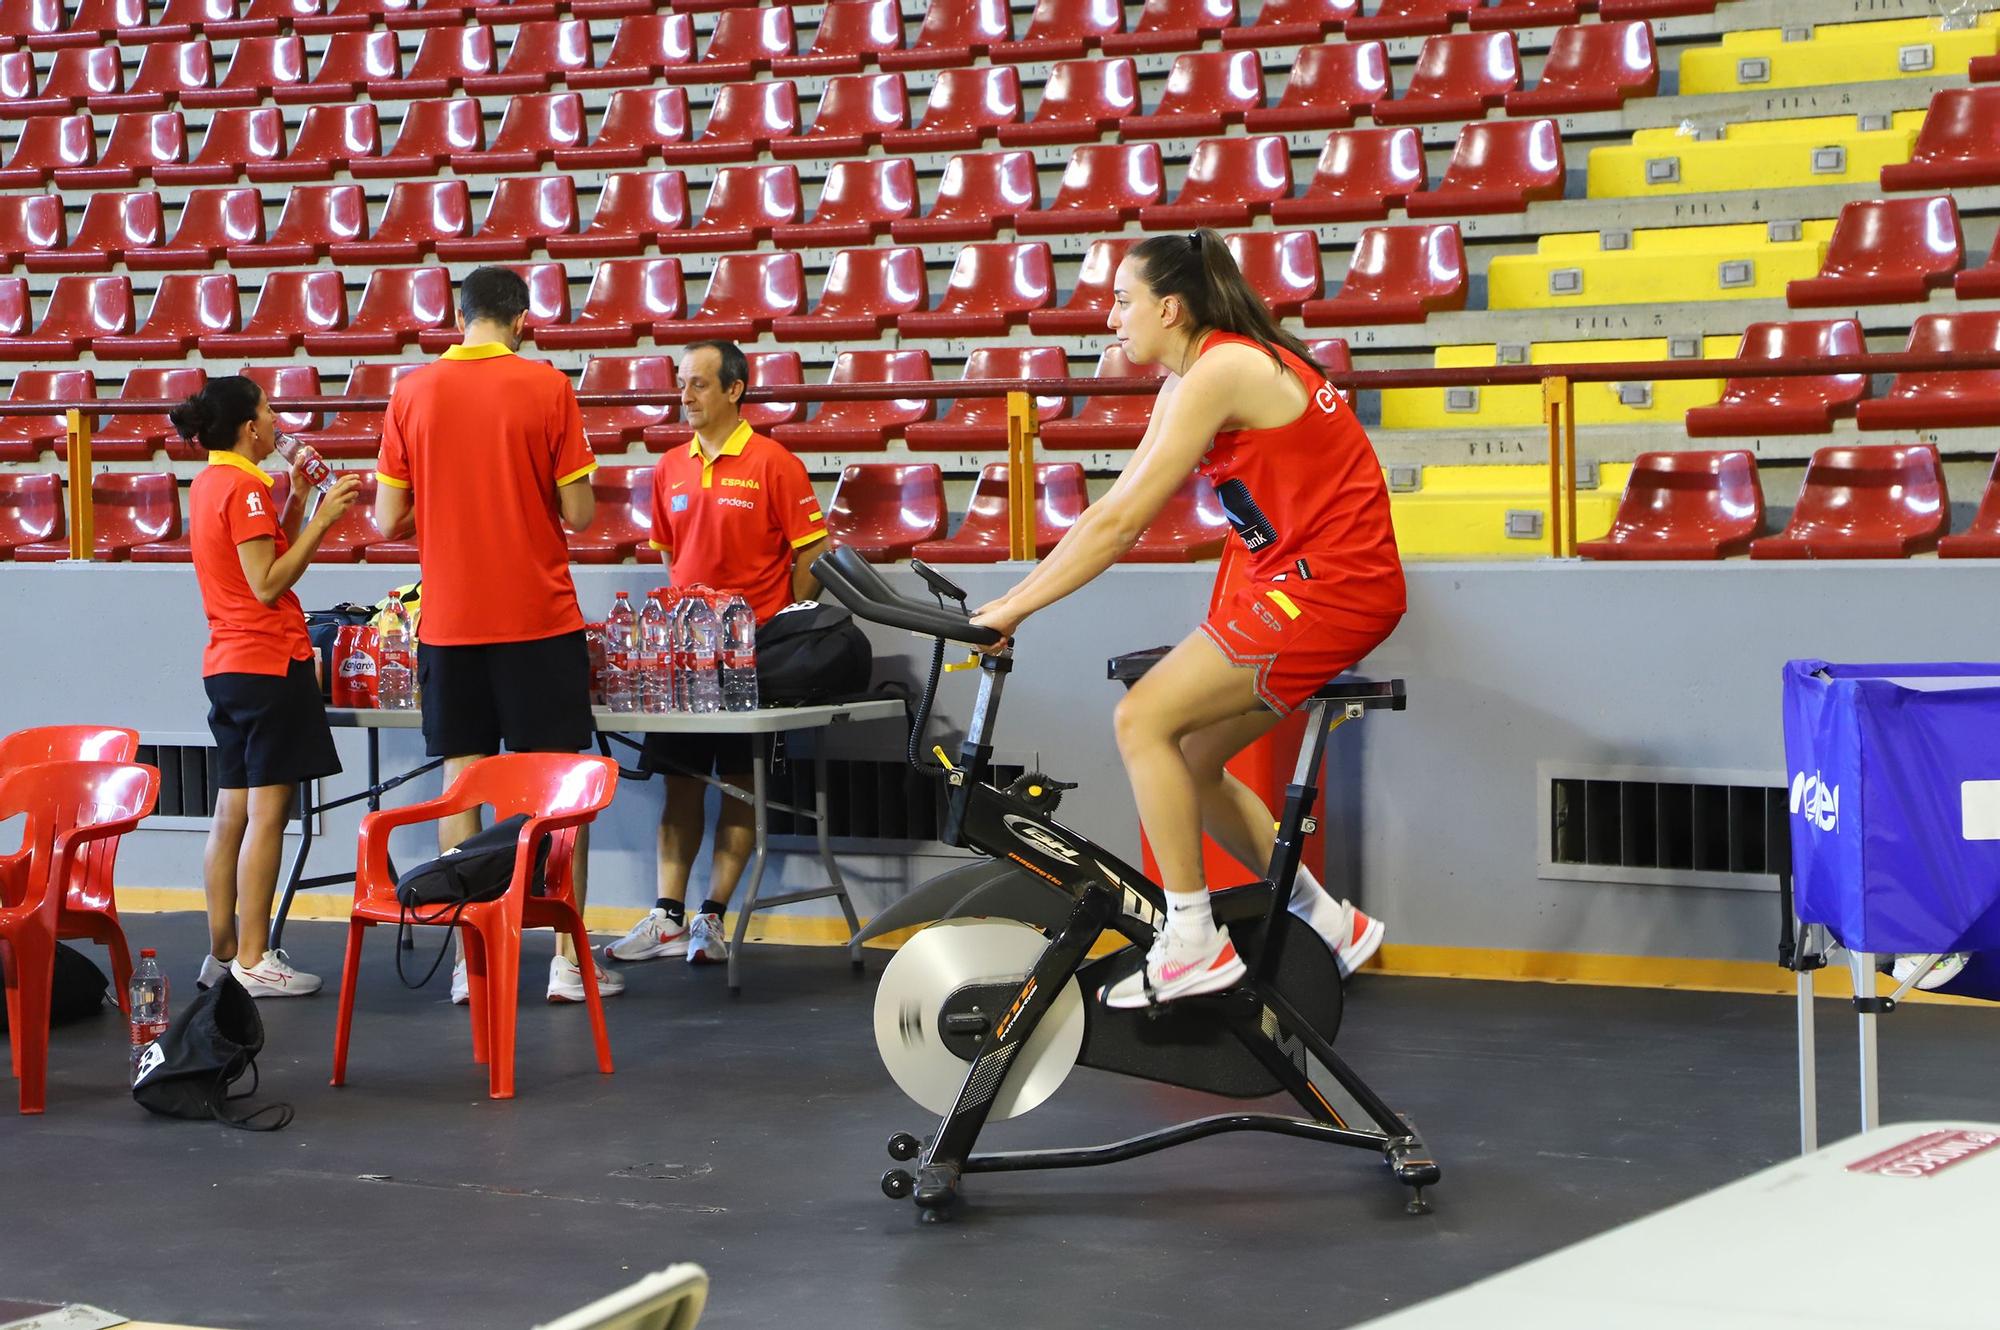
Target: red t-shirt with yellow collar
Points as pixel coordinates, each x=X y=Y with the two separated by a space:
x=231 y=502
x=735 y=523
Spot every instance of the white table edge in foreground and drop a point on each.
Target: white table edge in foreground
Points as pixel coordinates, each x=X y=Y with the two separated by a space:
x=767 y=720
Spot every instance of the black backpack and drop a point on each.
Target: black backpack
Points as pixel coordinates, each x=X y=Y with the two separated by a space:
x=478 y=868
x=187 y=1072
x=78 y=989
x=811 y=652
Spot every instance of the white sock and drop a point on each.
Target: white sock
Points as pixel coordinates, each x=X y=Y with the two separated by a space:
x=1330 y=918
x=1189 y=916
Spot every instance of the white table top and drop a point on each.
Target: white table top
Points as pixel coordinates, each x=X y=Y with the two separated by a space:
x=770 y=720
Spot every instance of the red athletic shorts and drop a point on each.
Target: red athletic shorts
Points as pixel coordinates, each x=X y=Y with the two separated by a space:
x=1291 y=636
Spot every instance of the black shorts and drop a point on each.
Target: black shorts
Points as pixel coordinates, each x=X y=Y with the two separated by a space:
x=270 y=729
x=697 y=754
x=533 y=697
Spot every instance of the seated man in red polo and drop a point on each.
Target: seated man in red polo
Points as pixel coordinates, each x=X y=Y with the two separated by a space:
x=732 y=510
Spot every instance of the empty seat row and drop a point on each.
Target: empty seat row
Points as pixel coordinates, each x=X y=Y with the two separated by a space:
x=1761 y=155
x=43 y=25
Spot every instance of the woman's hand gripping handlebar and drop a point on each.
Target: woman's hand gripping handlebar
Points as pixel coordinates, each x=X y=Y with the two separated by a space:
x=853 y=582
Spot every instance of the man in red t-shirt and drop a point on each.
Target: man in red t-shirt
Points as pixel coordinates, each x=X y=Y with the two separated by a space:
x=733 y=511
x=484 y=459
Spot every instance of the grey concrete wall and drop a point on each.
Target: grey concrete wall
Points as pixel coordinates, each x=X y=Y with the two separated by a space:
x=1435 y=810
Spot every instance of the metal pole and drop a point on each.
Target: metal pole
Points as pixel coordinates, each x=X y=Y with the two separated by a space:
x=1862 y=966
x=82 y=513
x=1569 y=467
x=1808 y=1067
x=1021 y=429
x=1555 y=396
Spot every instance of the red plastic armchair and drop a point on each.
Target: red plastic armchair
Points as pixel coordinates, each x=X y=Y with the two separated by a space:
x=644 y=48
x=114 y=221
x=1063 y=29
x=523 y=213
x=744 y=205
x=290 y=305
x=1175 y=25
x=1685 y=505
x=965 y=107
x=611 y=428
x=954 y=34
x=1229 y=180
x=864 y=425
x=137 y=437
x=559 y=793
x=746 y=293
x=992 y=288
x=622 y=525
x=1957 y=146
x=23 y=438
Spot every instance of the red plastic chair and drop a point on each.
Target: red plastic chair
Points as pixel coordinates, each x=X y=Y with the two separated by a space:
x=1984 y=69
x=38 y=22
x=1104 y=186
x=1330 y=85
x=852 y=33
x=444 y=61
x=432 y=133
x=332 y=138
x=743 y=120
x=24 y=438
x=1081 y=99
x=1193 y=525
x=634 y=211
x=1205 y=91
x=1594 y=67
x=1885 y=252
x=279 y=382
x=33 y=223
x=992 y=288
x=1089 y=303
x=1361 y=174
x=639 y=124
x=979 y=193
x=628 y=299
x=396 y=305
x=1787 y=405
x=886 y=509
x=1063 y=29
x=31 y=509
x=1175 y=25
x=314 y=220
x=522 y=214
x=859 y=202
x=611 y=428
x=128 y=508
x=747 y=293
x=1982 y=539
x=358 y=433
x=1457 y=78
x=744 y=44
x=1874 y=501
x=544 y=51
x=1111 y=420
x=290 y=305
x=77 y=76
x=979 y=424
x=768 y=369
x=867 y=424
x=1942 y=399
x=954 y=34
x=80 y=311
x=216 y=18
x=1685 y=505
x=1228 y=182
x=260 y=68
x=1292 y=22
x=855 y=111
x=1060 y=498
x=643 y=49
x=745 y=205
x=965 y=108
x=1397 y=274
x=622 y=526
x=47 y=144
x=237 y=138
x=187 y=307
x=14 y=310
x=1498 y=166
x=1958 y=144
x=353 y=63
x=1981 y=283
x=139 y=437
x=1527 y=14
x=211 y=221
x=1409 y=18
x=1281 y=266
x=534 y=129
x=120 y=21
x=74 y=814
x=866 y=291
x=139 y=143
x=419 y=213
x=559 y=792
x=113 y=223
x=167 y=72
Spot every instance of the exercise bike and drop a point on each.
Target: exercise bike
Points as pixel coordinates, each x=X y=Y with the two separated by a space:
x=981 y=1015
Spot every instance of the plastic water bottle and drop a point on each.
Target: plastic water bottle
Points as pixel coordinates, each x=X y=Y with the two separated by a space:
x=679 y=653
x=302 y=455
x=621 y=633
x=149 y=1006
x=593 y=643
x=655 y=658
x=704 y=658
x=739 y=656
x=620 y=688
x=396 y=678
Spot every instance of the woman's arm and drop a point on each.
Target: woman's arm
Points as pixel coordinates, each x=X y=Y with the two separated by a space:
x=271 y=575
x=295 y=506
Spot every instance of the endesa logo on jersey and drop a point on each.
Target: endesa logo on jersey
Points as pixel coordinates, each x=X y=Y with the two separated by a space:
x=1817 y=801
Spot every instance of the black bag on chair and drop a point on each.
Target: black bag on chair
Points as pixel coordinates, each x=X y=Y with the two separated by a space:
x=187 y=1072
x=478 y=868
x=811 y=652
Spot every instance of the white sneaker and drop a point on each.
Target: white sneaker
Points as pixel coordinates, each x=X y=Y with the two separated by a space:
x=211 y=970
x=274 y=977
x=653 y=937
x=1942 y=973
x=705 y=945
x=1177 y=968
x=1363 y=940
x=461 y=987
x=566 y=981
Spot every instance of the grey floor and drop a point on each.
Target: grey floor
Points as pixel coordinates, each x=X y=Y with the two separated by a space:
x=748 y=1135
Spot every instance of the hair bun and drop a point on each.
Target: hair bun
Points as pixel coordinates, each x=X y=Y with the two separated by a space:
x=191 y=417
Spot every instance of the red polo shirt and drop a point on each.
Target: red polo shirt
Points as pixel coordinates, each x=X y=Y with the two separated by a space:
x=735 y=522
x=229 y=503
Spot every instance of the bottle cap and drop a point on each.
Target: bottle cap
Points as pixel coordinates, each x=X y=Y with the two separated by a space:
x=145 y=952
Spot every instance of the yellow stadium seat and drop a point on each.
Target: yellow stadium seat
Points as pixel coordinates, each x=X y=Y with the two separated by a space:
x=1467 y=512
x=1760 y=58
x=1663 y=266
x=1633 y=402
x=1772 y=154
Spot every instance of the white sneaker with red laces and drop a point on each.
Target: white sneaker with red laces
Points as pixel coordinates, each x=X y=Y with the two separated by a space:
x=1177 y=968
x=653 y=937
x=1364 y=939
x=566 y=981
x=705 y=945
x=274 y=977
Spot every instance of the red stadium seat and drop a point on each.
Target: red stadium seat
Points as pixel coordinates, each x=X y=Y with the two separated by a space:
x=743 y=45
x=432 y=133
x=77 y=76
x=353 y=63
x=314 y=220
x=128 y=508
x=1983 y=282
x=1081 y=99
x=746 y=293
x=1613 y=10
x=167 y=70
x=1984 y=69
x=744 y=120
x=19 y=86
x=34 y=223
x=1527 y=14
x=965 y=108
x=331 y=138
x=979 y=193
x=1458 y=77
x=1059 y=498
x=622 y=526
x=1228 y=182
x=1409 y=18
x=188 y=307
x=744 y=205
x=1205 y=91
x=358 y=433
x=32 y=512
x=863 y=424
x=1361 y=174
x=1885 y=252
x=768 y=369
x=1873 y=501
x=237 y=138
x=859 y=202
x=1175 y=25
x=643 y=49
x=855 y=111
x=1281 y=266
x=211 y=220
x=533 y=131
x=628 y=299
x=1942 y=399
x=1979 y=541
x=445 y=60
x=139 y=437
x=1958 y=144
x=1064 y=29
x=992 y=287
x=1685 y=505
x=279 y=382
x=47 y=144
x=543 y=51
x=1397 y=274
x=1498 y=166
x=290 y=305
x=216 y=18
x=883 y=509
x=635 y=210
x=954 y=34
x=1593 y=67
x=354 y=531
x=1112 y=420
x=39 y=23
x=522 y=214
x=1787 y=405
x=1104 y=186
x=611 y=428
x=113 y=223
x=1329 y=86
x=139 y=143
x=396 y=305
x=548 y=305
x=259 y=69
x=1331 y=354
x=1292 y=22
x=979 y=424
x=24 y=438
x=124 y=22
x=15 y=314
x=1089 y=304
x=418 y=215
x=638 y=124
x=852 y=33
x=1193 y=525
x=80 y=310
x=866 y=291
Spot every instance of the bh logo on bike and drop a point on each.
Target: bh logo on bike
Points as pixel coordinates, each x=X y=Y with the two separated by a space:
x=1818 y=801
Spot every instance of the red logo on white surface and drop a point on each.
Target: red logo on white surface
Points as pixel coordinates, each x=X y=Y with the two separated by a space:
x=1933 y=1152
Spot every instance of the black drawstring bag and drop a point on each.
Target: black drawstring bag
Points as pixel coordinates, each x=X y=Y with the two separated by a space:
x=187 y=1072
x=811 y=652
x=478 y=868
x=79 y=989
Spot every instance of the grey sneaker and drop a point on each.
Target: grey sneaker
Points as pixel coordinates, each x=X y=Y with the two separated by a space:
x=705 y=944
x=653 y=937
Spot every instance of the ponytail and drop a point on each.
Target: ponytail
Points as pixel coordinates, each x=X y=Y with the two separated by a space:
x=216 y=415
x=1198 y=270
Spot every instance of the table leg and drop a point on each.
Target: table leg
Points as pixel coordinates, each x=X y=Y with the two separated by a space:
x=1808 y=1067
x=1862 y=966
x=826 y=859
x=307 y=812
x=760 y=753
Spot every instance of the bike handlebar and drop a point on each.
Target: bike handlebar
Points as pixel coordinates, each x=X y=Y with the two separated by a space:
x=855 y=584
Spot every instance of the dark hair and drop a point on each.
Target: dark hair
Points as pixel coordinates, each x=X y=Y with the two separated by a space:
x=1198 y=270
x=214 y=416
x=496 y=294
x=735 y=365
